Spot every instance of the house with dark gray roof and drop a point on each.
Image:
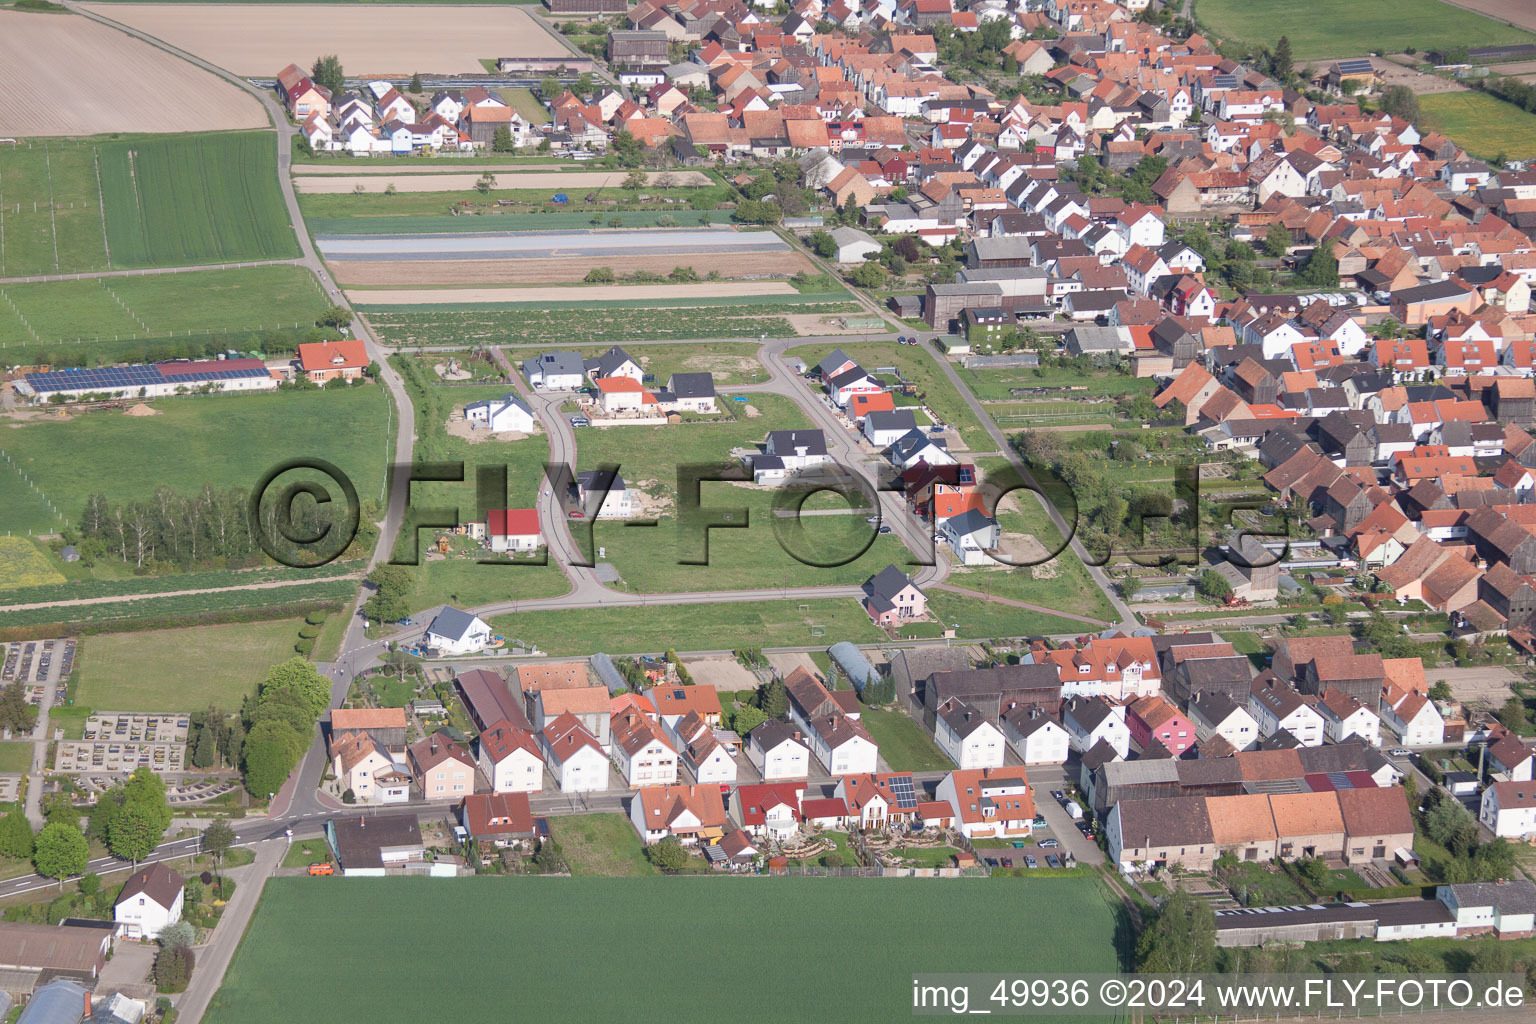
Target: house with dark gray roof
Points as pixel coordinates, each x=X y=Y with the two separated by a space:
x=457 y=632
x=371 y=843
x=890 y=596
x=613 y=363
x=556 y=371
x=885 y=427
x=688 y=392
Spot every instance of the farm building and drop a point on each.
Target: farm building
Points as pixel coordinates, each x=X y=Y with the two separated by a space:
x=152 y=381
x=852 y=662
x=583 y=7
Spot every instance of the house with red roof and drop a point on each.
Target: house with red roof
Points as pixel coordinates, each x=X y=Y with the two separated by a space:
x=772 y=809
x=513 y=529
x=624 y=395
x=333 y=360
x=1153 y=718
x=501 y=819
x=989 y=802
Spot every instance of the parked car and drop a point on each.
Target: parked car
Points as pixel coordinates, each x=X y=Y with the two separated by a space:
x=1400 y=752
x=1051 y=860
x=1030 y=862
x=1039 y=821
x=885 y=529
x=1086 y=829
x=1048 y=844
x=322 y=869
x=575 y=513
x=1058 y=796
x=580 y=421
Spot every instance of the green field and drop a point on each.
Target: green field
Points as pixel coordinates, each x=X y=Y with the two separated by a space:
x=587 y=323
x=180 y=669
x=1482 y=124
x=996 y=385
x=79 y=321
x=194 y=199
x=504 y=205
x=691 y=627
x=225 y=440
x=301 y=949
x=1352 y=28
x=541 y=221
x=78 y=205
x=980 y=619
x=526 y=104
x=904 y=745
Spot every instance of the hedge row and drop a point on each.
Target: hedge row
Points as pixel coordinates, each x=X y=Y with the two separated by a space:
x=43 y=630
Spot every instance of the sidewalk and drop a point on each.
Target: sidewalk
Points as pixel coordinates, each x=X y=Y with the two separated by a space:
x=213 y=958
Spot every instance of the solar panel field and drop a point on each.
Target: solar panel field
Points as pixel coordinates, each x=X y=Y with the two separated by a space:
x=81 y=321
x=194 y=199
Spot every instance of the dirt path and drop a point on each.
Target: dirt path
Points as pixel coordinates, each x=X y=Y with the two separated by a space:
x=1020 y=604
x=270 y=585
x=593 y=293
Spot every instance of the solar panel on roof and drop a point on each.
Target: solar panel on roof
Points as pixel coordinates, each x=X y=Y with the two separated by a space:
x=901 y=789
x=1358 y=66
x=1341 y=780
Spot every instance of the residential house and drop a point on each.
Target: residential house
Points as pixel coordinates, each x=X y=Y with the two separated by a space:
x=779 y=751
x=575 y=758
x=770 y=810
x=513 y=529
x=1089 y=721
x=509 y=756
x=1508 y=809
x=1154 y=719
x=556 y=371
x=641 y=750
x=150 y=900
x=1035 y=736
x=834 y=735
x=608 y=488
x=693 y=815
x=365 y=769
x=1276 y=707
x=890 y=596
x=1216 y=714
x=989 y=803
x=501 y=819
x=1344 y=716
x=969 y=738
x=441 y=768
x=324 y=361
x=970 y=536
x=457 y=632
x=498 y=415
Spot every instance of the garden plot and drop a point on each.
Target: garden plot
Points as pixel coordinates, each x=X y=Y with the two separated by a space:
x=592 y=293
x=63 y=75
x=374 y=41
x=376 y=179
x=558 y=271
x=546 y=244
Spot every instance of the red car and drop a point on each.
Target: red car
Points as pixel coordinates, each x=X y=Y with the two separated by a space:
x=576 y=513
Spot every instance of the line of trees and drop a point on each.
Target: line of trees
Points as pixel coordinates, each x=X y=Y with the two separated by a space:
x=280 y=723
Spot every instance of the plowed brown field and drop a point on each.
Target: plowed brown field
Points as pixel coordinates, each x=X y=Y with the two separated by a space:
x=408 y=272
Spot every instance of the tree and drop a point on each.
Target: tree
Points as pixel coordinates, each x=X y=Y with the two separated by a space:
x=102 y=815
x=59 y=807
x=1440 y=691
x=177 y=935
x=328 y=74
x=334 y=316
x=1181 y=939
x=16 y=836
x=1322 y=269
x=301 y=676
x=206 y=750
x=599 y=275
x=267 y=759
x=832 y=860
x=60 y=851
x=390 y=600
x=1276 y=241
x=634 y=181
x=549 y=88
x=668 y=855
x=486 y=182
x=416 y=85
x=1512 y=715
x=868 y=275
x=773 y=699
x=1213 y=586
x=145 y=815
x=173 y=969
x=1399 y=101
x=15 y=713
x=822 y=244
x=745 y=719
x=1129 y=587
x=1282 y=64
x=217 y=839
x=502 y=141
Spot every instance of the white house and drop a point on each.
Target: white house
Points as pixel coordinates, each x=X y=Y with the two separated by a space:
x=970 y=535
x=692 y=814
x=365 y=768
x=510 y=757
x=497 y=415
x=778 y=751
x=1413 y=717
x=456 y=632
x=1275 y=705
x=1216 y=714
x=643 y=755
x=841 y=387
x=556 y=371
x=689 y=392
x=1344 y=716
x=1509 y=809
x=151 y=899
x=574 y=756
x=919 y=446
x=592 y=483
x=994 y=803
x=884 y=429
x=798 y=450
x=614 y=363
x=1088 y=721
x=1035 y=736
x=966 y=735
x=513 y=529
x=835 y=736
x=1507 y=909
x=767 y=810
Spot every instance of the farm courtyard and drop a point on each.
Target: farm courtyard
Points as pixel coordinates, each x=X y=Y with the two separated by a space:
x=300 y=952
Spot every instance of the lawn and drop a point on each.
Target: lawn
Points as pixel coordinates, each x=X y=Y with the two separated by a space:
x=226 y=441
x=304 y=852
x=1353 y=28
x=600 y=844
x=994 y=385
x=1264 y=885
x=52 y=217
x=691 y=627
x=90 y=314
x=300 y=949
x=15 y=756
x=1484 y=125
x=980 y=619
x=180 y=669
x=187 y=199
x=23 y=563
x=526 y=104
x=921 y=368
x=904 y=745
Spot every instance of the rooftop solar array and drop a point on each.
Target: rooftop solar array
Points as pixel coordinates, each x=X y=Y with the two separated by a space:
x=901 y=789
x=113 y=378
x=1358 y=66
